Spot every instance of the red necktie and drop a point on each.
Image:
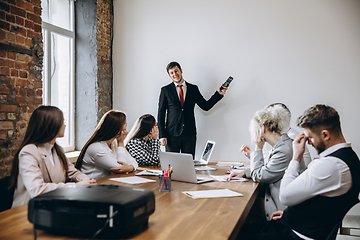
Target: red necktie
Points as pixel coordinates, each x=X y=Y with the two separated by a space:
x=181 y=95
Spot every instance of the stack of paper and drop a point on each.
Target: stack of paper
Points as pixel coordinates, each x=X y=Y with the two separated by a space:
x=230 y=164
x=204 y=168
x=132 y=180
x=149 y=173
x=222 y=178
x=217 y=193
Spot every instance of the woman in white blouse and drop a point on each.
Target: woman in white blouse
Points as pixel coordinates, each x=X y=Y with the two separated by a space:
x=104 y=152
x=40 y=165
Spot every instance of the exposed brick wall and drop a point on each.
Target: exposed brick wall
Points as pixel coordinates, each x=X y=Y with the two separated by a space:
x=21 y=57
x=105 y=18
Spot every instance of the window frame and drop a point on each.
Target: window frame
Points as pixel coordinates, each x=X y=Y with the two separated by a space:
x=48 y=29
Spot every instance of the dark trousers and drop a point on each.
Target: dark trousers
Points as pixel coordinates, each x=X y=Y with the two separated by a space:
x=266 y=231
x=183 y=143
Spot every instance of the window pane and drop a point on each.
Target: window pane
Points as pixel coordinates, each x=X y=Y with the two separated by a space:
x=57 y=12
x=61 y=79
x=45 y=10
x=45 y=68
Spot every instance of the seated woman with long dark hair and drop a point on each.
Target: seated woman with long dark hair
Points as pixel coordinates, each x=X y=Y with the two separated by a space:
x=104 y=153
x=143 y=143
x=40 y=165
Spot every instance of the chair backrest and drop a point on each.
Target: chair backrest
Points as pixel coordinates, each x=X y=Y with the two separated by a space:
x=332 y=235
x=7 y=195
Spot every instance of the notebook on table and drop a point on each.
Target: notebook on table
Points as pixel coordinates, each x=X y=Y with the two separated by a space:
x=183 y=167
x=205 y=156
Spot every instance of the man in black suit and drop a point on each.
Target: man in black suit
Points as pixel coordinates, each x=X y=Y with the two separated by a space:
x=176 y=119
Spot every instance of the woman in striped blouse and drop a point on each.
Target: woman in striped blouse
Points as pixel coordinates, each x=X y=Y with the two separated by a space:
x=142 y=142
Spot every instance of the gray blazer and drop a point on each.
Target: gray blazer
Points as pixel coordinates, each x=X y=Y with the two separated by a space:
x=271 y=172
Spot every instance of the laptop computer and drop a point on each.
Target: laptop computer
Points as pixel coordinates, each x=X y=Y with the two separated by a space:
x=205 y=156
x=183 y=167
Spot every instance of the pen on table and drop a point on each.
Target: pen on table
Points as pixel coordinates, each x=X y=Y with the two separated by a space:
x=168 y=170
x=188 y=194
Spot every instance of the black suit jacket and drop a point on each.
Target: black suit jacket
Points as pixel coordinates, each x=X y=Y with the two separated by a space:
x=174 y=120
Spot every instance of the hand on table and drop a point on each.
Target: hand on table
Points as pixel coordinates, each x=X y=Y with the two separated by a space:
x=237 y=174
x=88 y=181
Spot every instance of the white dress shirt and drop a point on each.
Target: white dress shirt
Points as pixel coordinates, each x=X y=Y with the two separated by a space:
x=99 y=158
x=326 y=176
x=49 y=148
x=184 y=88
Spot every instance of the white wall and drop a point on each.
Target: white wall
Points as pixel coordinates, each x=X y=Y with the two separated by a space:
x=297 y=52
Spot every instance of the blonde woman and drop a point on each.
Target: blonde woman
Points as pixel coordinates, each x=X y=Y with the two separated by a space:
x=292 y=133
x=104 y=153
x=268 y=125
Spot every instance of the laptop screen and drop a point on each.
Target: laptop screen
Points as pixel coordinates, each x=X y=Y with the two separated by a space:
x=209 y=147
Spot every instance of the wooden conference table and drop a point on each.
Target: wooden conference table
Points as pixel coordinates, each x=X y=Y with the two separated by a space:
x=176 y=216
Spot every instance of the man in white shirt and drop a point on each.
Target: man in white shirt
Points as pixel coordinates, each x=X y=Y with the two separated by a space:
x=318 y=198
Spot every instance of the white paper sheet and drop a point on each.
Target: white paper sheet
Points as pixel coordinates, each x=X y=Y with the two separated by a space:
x=230 y=164
x=221 y=178
x=132 y=180
x=204 y=168
x=217 y=193
x=149 y=173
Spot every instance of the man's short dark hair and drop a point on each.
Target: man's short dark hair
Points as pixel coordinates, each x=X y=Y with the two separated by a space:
x=172 y=65
x=320 y=116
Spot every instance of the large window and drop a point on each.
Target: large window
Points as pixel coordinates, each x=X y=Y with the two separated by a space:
x=58 y=72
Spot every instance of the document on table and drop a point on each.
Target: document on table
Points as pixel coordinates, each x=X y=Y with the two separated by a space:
x=204 y=168
x=217 y=193
x=149 y=173
x=222 y=178
x=230 y=164
x=132 y=180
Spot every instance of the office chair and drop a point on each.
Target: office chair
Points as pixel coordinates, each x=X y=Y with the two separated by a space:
x=350 y=222
x=7 y=195
x=332 y=235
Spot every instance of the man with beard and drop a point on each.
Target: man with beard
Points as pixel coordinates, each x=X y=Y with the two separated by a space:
x=318 y=198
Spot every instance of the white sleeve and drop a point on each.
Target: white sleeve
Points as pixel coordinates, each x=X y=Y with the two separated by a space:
x=124 y=156
x=102 y=157
x=306 y=156
x=321 y=176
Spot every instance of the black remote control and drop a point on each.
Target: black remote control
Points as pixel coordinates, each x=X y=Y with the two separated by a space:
x=226 y=83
